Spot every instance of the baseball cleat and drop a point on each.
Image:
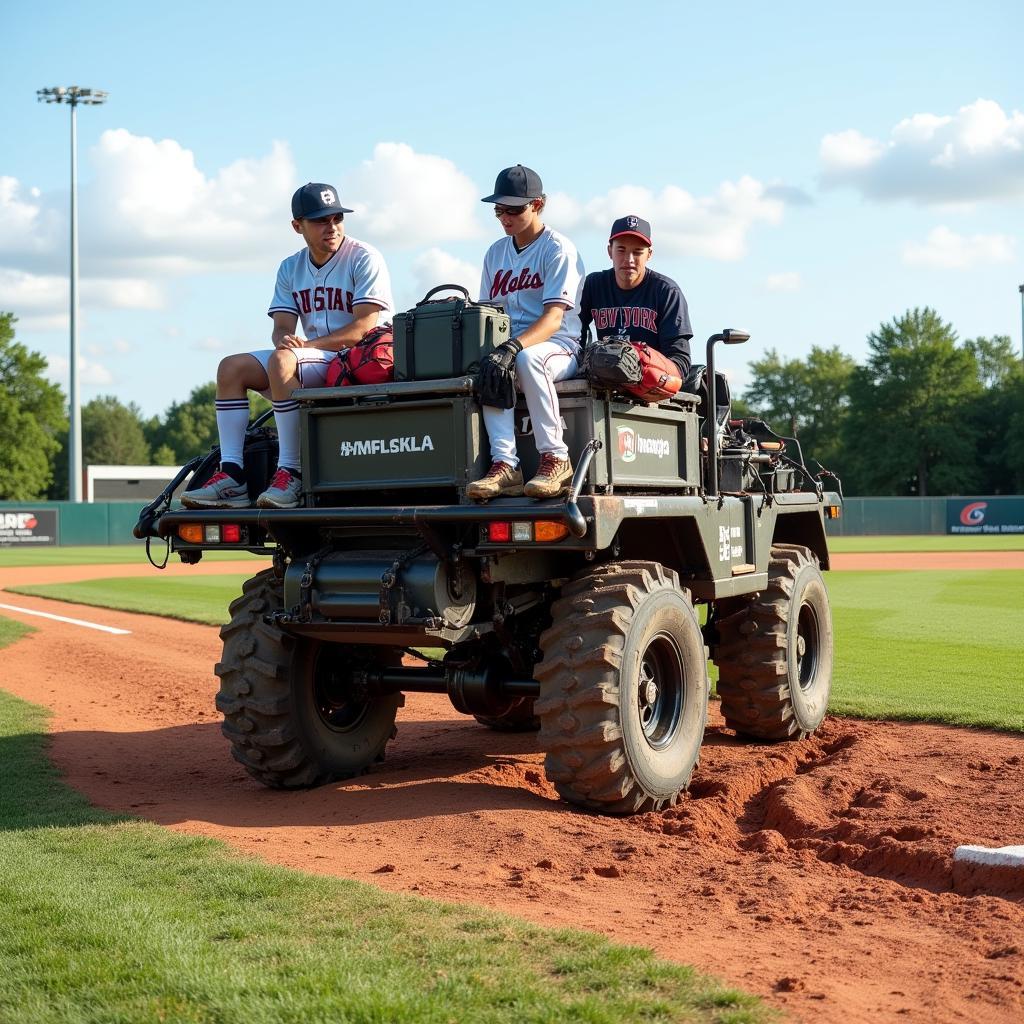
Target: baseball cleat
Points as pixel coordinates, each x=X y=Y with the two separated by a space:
x=501 y=481
x=220 y=491
x=285 y=491
x=552 y=479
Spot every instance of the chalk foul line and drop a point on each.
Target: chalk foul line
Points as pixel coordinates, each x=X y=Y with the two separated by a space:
x=64 y=618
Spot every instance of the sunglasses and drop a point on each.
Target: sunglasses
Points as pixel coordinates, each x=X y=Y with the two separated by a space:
x=511 y=211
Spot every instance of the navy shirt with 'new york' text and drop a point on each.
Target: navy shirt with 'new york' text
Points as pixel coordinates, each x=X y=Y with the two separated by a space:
x=653 y=312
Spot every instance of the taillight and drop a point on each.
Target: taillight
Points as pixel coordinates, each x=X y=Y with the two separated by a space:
x=192 y=533
x=544 y=531
x=499 y=533
x=231 y=534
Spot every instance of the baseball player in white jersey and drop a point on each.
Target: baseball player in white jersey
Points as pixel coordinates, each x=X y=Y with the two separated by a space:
x=338 y=288
x=537 y=275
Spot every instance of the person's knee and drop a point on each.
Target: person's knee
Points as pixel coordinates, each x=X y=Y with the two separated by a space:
x=237 y=373
x=281 y=366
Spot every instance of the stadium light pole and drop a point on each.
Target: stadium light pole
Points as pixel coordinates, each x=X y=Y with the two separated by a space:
x=73 y=96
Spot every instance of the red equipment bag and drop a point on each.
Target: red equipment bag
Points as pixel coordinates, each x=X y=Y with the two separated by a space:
x=369 y=361
x=659 y=376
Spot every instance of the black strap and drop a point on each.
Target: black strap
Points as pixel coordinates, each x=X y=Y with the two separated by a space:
x=457 y=336
x=410 y=344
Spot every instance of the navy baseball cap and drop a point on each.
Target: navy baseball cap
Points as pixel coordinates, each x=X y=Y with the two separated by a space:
x=516 y=186
x=316 y=200
x=631 y=225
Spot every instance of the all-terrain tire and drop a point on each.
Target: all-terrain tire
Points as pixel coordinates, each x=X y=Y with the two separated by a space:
x=272 y=697
x=775 y=652
x=624 y=689
x=521 y=717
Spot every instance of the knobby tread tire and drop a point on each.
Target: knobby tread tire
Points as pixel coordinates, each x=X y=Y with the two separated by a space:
x=255 y=691
x=257 y=699
x=757 y=682
x=581 y=687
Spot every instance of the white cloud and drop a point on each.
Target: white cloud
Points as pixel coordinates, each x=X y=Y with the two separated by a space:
x=945 y=249
x=149 y=202
x=714 y=226
x=435 y=266
x=89 y=372
x=787 y=281
x=25 y=226
x=975 y=154
x=48 y=294
x=405 y=199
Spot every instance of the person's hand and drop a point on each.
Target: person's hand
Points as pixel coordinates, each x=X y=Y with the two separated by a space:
x=293 y=341
x=496 y=384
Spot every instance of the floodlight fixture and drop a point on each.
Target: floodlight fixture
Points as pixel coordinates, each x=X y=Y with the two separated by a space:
x=73 y=96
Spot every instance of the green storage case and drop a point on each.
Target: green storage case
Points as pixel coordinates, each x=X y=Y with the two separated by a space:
x=441 y=338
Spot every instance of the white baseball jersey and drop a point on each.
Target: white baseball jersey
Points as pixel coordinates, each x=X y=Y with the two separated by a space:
x=549 y=270
x=323 y=297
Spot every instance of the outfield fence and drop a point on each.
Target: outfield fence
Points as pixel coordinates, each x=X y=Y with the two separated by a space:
x=66 y=523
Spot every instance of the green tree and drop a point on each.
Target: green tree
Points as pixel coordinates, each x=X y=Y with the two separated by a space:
x=910 y=428
x=112 y=433
x=994 y=413
x=190 y=428
x=996 y=359
x=806 y=399
x=32 y=418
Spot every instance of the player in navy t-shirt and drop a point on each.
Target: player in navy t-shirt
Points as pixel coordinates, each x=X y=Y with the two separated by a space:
x=632 y=300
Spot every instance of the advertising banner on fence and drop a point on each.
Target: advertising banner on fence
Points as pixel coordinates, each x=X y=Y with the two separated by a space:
x=985 y=515
x=25 y=526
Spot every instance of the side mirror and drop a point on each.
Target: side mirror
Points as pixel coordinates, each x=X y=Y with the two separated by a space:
x=733 y=337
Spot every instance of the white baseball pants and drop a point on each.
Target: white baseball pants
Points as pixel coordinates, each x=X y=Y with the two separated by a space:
x=537 y=369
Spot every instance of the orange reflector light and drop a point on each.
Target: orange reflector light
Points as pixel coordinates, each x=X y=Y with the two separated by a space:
x=193 y=533
x=231 y=534
x=499 y=533
x=544 y=530
x=831 y=511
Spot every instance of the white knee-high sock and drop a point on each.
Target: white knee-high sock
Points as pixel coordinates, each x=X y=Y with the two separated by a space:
x=232 y=419
x=286 y=414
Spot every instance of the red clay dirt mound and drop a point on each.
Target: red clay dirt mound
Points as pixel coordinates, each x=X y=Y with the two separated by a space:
x=817 y=874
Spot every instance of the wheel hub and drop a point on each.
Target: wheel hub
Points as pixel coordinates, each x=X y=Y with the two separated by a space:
x=660 y=689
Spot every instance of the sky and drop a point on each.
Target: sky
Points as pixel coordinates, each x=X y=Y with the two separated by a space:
x=810 y=170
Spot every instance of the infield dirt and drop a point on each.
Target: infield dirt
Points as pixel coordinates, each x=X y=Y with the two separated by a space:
x=817 y=874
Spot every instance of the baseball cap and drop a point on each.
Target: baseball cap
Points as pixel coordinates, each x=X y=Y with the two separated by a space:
x=516 y=186
x=631 y=225
x=316 y=200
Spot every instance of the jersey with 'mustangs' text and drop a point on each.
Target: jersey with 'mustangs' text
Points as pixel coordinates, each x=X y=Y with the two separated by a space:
x=548 y=271
x=324 y=297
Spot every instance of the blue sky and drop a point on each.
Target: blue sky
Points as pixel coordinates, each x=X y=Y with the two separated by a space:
x=809 y=170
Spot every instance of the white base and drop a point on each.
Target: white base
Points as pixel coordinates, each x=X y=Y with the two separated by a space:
x=1000 y=856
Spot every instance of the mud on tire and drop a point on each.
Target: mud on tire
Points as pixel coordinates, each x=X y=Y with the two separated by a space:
x=774 y=654
x=624 y=689
x=289 y=710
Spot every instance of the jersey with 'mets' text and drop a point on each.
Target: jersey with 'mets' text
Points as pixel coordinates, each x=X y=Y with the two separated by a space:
x=653 y=312
x=548 y=271
x=323 y=297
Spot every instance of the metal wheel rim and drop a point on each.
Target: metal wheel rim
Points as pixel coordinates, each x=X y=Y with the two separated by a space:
x=808 y=645
x=660 y=689
x=332 y=697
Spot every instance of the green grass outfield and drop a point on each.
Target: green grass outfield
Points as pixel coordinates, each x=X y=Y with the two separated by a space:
x=115 y=554
x=106 y=919
x=932 y=645
x=11 y=557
